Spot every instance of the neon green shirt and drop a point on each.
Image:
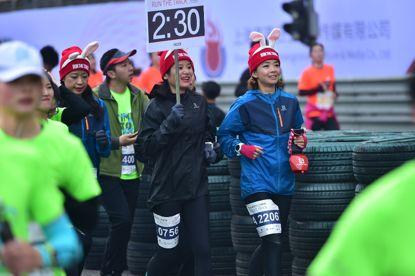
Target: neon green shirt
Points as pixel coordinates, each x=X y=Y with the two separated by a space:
x=26 y=194
x=66 y=160
x=58 y=115
x=375 y=235
x=58 y=124
x=128 y=163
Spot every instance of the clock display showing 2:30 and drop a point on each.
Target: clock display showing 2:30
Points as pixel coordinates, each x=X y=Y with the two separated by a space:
x=175 y=24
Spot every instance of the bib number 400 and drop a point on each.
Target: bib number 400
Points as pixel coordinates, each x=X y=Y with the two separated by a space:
x=176 y=24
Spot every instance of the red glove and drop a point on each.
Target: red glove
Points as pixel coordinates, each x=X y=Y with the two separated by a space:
x=249 y=151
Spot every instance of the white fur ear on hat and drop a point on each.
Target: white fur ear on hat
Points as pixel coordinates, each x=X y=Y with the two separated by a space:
x=273 y=36
x=73 y=56
x=90 y=49
x=258 y=37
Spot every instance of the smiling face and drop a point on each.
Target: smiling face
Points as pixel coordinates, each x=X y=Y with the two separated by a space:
x=268 y=74
x=76 y=81
x=21 y=97
x=186 y=76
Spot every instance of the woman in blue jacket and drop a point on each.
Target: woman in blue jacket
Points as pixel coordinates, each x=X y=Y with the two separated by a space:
x=257 y=128
x=93 y=129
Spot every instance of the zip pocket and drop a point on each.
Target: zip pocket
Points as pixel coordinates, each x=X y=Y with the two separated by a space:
x=280 y=117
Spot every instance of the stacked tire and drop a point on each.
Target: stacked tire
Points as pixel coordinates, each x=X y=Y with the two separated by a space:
x=222 y=253
x=245 y=238
x=99 y=239
x=321 y=195
x=377 y=157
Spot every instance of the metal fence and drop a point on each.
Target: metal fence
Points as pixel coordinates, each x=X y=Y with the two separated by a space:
x=372 y=104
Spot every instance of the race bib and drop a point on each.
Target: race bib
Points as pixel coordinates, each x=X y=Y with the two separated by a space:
x=167 y=230
x=325 y=100
x=127 y=160
x=266 y=216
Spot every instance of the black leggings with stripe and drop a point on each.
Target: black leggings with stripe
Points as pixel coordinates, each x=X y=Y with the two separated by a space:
x=266 y=259
x=193 y=238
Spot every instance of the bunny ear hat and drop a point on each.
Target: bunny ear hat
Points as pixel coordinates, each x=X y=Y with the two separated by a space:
x=73 y=58
x=262 y=51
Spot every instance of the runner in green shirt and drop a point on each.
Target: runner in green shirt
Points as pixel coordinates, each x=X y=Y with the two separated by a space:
x=128 y=166
x=31 y=194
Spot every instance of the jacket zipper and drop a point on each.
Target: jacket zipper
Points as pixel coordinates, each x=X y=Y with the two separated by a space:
x=280 y=117
x=278 y=145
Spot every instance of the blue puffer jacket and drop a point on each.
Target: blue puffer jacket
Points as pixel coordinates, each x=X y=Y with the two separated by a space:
x=86 y=129
x=264 y=120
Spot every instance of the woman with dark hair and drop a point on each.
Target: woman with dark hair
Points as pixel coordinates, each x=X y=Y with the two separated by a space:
x=49 y=100
x=93 y=129
x=178 y=139
x=259 y=128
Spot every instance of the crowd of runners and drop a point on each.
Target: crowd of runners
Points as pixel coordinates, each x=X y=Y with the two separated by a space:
x=72 y=144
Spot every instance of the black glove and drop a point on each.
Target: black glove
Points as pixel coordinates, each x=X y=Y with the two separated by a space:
x=101 y=138
x=176 y=115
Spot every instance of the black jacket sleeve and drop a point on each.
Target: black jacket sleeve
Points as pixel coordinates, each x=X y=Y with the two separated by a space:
x=76 y=107
x=210 y=135
x=157 y=132
x=311 y=91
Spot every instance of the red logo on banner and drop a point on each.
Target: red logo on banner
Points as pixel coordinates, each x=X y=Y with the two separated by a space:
x=213 y=54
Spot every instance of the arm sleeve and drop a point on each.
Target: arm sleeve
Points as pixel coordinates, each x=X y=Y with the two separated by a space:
x=231 y=126
x=305 y=88
x=156 y=133
x=76 y=107
x=309 y=92
x=115 y=143
x=79 y=181
x=62 y=247
x=210 y=135
x=83 y=214
x=105 y=151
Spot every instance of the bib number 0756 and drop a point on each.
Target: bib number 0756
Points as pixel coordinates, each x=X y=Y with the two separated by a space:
x=176 y=24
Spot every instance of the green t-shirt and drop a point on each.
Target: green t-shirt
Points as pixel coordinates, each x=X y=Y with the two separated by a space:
x=58 y=124
x=64 y=155
x=128 y=162
x=375 y=235
x=26 y=193
x=58 y=115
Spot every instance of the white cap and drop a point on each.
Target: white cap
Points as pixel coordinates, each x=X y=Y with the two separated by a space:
x=17 y=59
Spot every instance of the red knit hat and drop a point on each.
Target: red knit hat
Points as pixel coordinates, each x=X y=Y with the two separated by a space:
x=167 y=60
x=73 y=59
x=260 y=51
